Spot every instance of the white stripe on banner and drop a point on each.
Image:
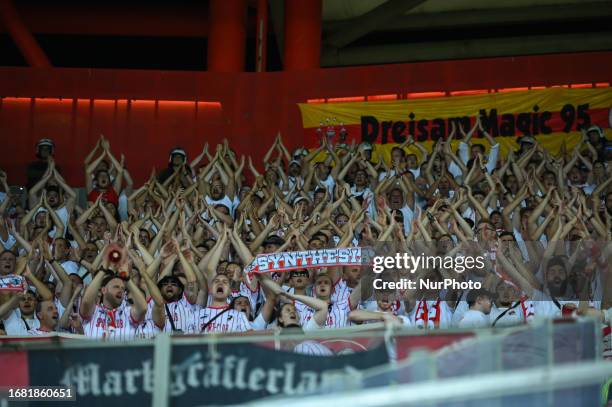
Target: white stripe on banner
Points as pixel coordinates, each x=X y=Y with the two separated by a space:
x=287 y=261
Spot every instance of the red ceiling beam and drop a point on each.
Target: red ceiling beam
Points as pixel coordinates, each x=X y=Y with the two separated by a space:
x=119 y=20
x=485 y=73
x=22 y=37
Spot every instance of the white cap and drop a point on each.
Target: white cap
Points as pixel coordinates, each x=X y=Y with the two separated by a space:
x=178 y=151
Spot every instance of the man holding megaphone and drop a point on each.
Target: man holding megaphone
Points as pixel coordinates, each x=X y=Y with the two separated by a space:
x=113 y=317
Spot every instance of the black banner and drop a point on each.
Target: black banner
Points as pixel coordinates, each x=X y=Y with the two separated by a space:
x=200 y=374
x=117 y=376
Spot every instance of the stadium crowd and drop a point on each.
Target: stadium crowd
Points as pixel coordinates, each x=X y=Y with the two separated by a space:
x=170 y=254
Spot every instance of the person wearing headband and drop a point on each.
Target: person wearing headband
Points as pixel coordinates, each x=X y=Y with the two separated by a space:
x=177 y=161
x=45 y=149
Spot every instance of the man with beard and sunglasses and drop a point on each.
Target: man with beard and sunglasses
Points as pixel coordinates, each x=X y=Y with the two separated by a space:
x=553 y=299
x=557 y=300
x=179 y=311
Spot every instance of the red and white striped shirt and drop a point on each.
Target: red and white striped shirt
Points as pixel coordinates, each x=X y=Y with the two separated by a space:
x=336 y=318
x=230 y=321
x=342 y=291
x=181 y=311
x=146 y=330
x=106 y=323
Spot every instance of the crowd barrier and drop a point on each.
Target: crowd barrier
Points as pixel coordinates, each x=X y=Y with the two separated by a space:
x=216 y=370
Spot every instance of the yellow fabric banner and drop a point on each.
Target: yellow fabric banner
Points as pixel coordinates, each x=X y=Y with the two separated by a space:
x=553 y=116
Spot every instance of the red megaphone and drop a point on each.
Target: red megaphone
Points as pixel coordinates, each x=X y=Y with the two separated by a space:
x=114 y=253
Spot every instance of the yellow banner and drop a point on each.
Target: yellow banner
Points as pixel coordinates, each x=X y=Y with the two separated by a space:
x=553 y=116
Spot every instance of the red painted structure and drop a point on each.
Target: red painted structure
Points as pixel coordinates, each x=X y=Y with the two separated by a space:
x=145 y=113
x=23 y=38
x=227 y=35
x=302 y=34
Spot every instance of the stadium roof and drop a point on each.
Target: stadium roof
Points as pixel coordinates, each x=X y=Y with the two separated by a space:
x=173 y=35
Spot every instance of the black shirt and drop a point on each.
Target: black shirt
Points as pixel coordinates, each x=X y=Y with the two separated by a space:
x=35 y=171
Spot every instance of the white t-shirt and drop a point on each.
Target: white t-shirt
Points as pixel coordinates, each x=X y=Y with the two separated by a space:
x=384 y=175
x=62 y=213
x=408 y=214
x=368 y=196
x=69 y=266
x=474 y=319
x=14 y=325
x=259 y=323
x=329 y=183
x=511 y=316
x=545 y=307
x=231 y=205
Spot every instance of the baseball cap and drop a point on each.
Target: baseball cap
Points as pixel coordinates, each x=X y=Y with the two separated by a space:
x=298 y=199
x=178 y=151
x=596 y=129
x=527 y=140
x=171 y=279
x=300 y=152
x=366 y=146
x=45 y=142
x=274 y=239
x=342 y=146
